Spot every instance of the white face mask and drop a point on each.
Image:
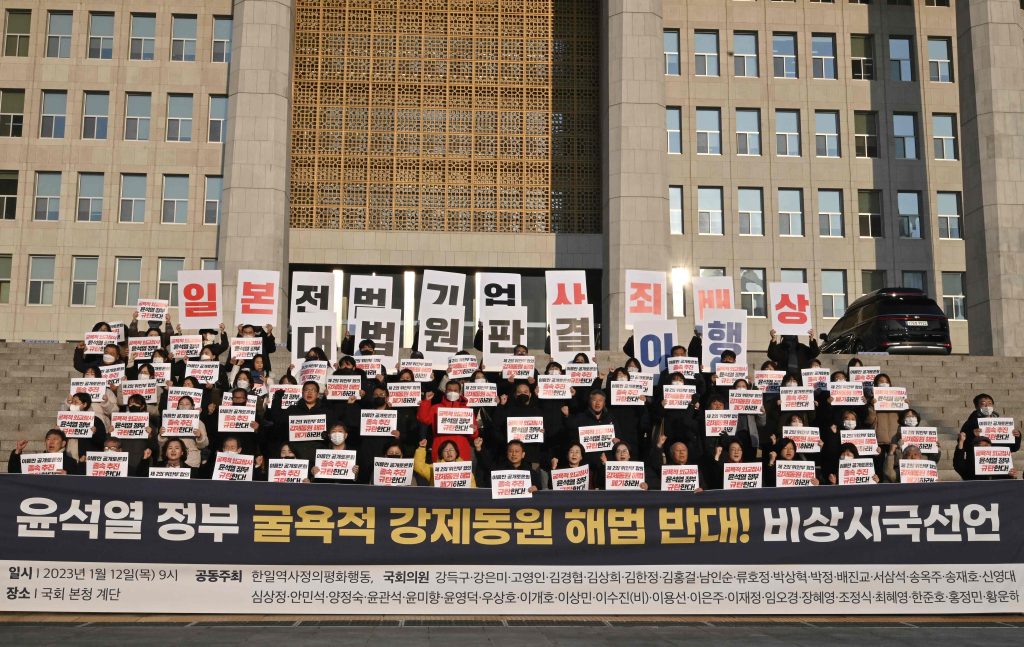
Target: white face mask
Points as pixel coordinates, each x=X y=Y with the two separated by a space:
x=910 y=422
x=987 y=411
x=554 y=371
x=207 y=357
x=111 y=450
x=451 y=396
x=337 y=438
x=74 y=407
x=108 y=358
x=849 y=424
x=481 y=380
x=242 y=384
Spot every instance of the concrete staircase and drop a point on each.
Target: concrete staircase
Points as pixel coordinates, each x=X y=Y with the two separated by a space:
x=34 y=381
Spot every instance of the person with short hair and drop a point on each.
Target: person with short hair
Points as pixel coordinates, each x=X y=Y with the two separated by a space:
x=54 y=441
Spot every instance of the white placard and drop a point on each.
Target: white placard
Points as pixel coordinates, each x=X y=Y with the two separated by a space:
x=741 y=476
x=393 y=472
x=461 y=367
x=554 y=387
x=597 y=438
x=918 y=471
x=890 y=398
x=710 y=293
x=204 y=372
x=572 y=332
x=246 y=348
x=185 y=346
x=680 y=478
x=653 y=340
x=343 y=387
x=790 y=307
x=95 y=342
x=146 y=388
x=807 y=439
x=846 y=393
x=200 y=299
x=95 y=387
x=405 y=394
x=452 y=421
x=106 y=464
x=336 y=464
x=453 y=474
x=518 y=367
x=287 y=470
x=925 y=438
x=997 y=430
x=717 y=423
x=623 y=475
x=526 y=429
x=646 y=296
x=678 y=396
x=177 y=423
x=129 y=425
x=746 y=400
x=151 y=309
x=510 y=484
x=170 y=473
x=306 y=428
x=571 y=479
x=42 y=463
x=176 y=393
x=480 y=394
x=256 y=301
x=312 y=299
x=422 y=369
x=581 y=374
x=794 y=473
x=988 y=461
x=76 y=424
x=235 y=420
x=377 y=422
x=233 y=467
x=865 y=440
x=628 y=394
x=856 y=471
x=796 y=398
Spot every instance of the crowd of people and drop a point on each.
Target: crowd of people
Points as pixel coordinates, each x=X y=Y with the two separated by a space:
x=649 y=432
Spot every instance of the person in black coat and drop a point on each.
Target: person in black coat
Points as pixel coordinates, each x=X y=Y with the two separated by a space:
x=54 y=441
x=514 y=459
x=172 y=455
x=789 y=354
x=310 y=404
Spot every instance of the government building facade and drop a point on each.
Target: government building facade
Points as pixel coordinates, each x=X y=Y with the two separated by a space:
x=849 y=145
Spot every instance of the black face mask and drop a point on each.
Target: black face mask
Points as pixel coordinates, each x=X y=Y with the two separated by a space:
x=135 y=408
x=379 y=401
x=522 y=398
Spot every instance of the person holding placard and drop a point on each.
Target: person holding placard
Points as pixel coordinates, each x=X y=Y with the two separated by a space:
x=229 y=445
x=847 y=451
x=172 y=454
x=151 y=327
x=193 y=445
x=714 y=470
x=620 y=453
x=55 y=441
x=429 y=411
x=310 y=404
x=269 y=345
x=885 y=423
x=682 y=425
x=78 y=447
x=136 y=447
x=574 y=458
x=963 y=459
x=750 y=427
x=790 y=354
x=677 y=453
x=984 y=407
x=447 y=452
x=631 y=421
x=523 y=404
x=338 y=439
x=581 y=392
x=831 y=440
x=111 y=355
x=666 y=377
x=785 y=450
x=891 y=466
x=514 y=459
x=369 y=447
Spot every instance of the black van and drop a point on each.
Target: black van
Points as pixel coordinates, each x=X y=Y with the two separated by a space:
x=891 y=320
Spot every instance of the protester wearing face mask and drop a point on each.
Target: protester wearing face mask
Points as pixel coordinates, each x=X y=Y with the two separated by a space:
x=524 y=404
x=217 y=340
x=429 y=410
x=847 y=451
x=908 y=418
x=339 y=439
x=193 y=444
x=111 y=355
x=54 y=441
x=970 y=436
x=269 y=344
x=633 y=423
x=371 y=447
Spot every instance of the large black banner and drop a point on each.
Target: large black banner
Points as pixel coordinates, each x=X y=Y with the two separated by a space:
x=115 y=520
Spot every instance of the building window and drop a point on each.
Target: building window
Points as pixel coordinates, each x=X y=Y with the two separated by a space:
x=54 y=118
x=904 y=130
x=175 y=206
x=862 y=57
x=871 y=280
x=706 y=53
x=944 y=137
x=833 y=293
x=705 y=272
x=167 y=282
x=222 y=39
x=901 y=59
x=58 y=34
x=915 y=279
x=5 y=278
x=826 y=133
x=16 y=34
x=8 y=194
x=674 y=127
x=133 y=198
x=138 y=108
x=709 y=131
x=953 y=297
x=709 y=211
x=127 y=279
x=748 y=132
x=869 y=211
x=751 y=212
x=90 y=197
x=143 y=41
x=218 y=119
x=179 y=118
x=784 y=56
x=830 y=213
x=40 y=280
x=936 y=3
x=208 y=264
x=84 y=271
x=94 y=118
x=214 y=188
x=752 y=291
x=101 y=35
x=745 y=54
x=791 y=212
x=940 y=64
x=823 y=55
x=793 y=275
x=675 y=210
x=787 y=133
x=183 y=38
x=47 y=196
x=12 y=112
x=671 y=37
x=948 y=206
x=865 y=138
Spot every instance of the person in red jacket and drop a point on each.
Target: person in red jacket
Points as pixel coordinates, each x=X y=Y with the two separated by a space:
x=428 y=413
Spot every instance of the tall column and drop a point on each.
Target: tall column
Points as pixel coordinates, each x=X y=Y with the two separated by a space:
x=254 y=230
x=633 y=150
x=990 y=60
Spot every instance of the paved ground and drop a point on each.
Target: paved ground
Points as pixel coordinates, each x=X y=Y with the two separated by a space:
x=991 y=631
